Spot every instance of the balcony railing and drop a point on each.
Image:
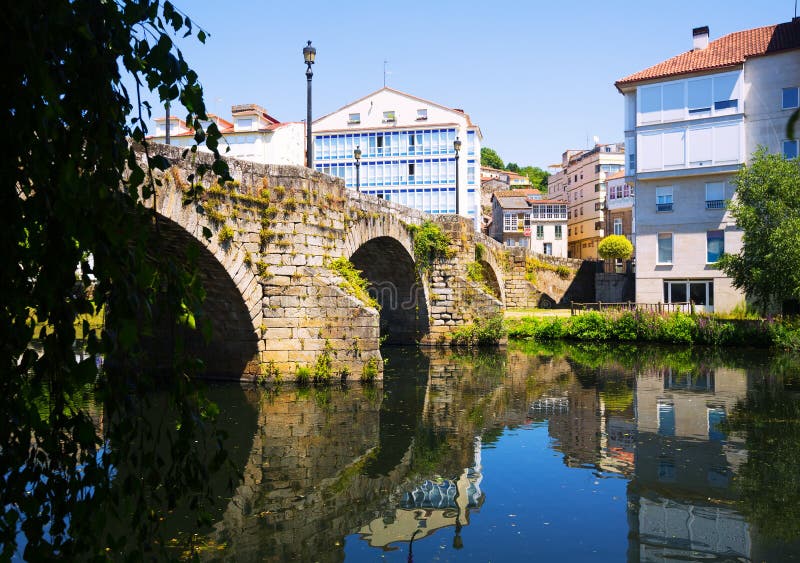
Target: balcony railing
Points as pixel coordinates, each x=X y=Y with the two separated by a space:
x=715 y=204
x=663 y=206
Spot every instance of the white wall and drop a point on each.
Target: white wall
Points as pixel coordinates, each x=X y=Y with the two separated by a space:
x=764 y=80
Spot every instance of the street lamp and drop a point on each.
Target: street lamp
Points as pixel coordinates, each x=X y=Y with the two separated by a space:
x=357 y=156
x=457 y=147
x=309 y=53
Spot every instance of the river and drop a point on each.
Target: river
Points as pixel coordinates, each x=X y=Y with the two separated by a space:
x=561 y=452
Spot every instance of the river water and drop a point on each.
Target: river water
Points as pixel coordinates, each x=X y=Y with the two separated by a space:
x=559 y=453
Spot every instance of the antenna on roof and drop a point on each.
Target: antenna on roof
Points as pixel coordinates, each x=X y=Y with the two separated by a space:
x=384 y=72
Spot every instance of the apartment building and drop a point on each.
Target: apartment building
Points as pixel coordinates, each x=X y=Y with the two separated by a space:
x=522 y=218
x=408 y=152
x=251 y=134
x=580 y=179
x=619 y=206
x=690 y=123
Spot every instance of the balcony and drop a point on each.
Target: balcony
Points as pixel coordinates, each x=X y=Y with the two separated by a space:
x=715 y=204
x=661 y=207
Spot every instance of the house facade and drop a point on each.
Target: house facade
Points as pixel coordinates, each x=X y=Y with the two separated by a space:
x=619 y=206
x=522 y=218
x=580 y=179
x=407 y=152
x=251 y=134
x=690 y=123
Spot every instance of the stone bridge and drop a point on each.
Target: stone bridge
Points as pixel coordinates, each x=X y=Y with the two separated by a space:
x=274 y=301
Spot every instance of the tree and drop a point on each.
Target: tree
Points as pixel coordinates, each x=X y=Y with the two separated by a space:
x=78 y=484
x=767 y=209
x=537 y=176
x=615 y=247
x=490 y=158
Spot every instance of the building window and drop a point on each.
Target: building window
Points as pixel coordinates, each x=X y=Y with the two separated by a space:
x=790 y=148
x=569 y=232
x=470 y=143
x=598 y=206
x=548 y=248
x=664 y=198
x=617 y=226
x=597 y=168
x=715 y=195
x=470 y=172
x=422 y=114
x=539 y=232
x=389 y=116
x=244 y=123
x=715 y=245
x=559 y=232
x=664 y=248
x=599 y=225
x=354 y=118
x=666 y=418
x=791 y=98
x=631 y=162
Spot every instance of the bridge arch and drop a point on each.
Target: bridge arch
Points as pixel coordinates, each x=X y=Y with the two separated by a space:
x=233 y=296
x=383 y=249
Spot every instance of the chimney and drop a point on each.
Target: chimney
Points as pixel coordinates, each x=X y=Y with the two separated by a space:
x=700 y=38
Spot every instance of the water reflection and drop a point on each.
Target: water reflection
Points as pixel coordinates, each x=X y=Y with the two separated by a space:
x=362 y=473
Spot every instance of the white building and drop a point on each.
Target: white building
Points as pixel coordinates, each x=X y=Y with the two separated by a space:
x=252 y=135
x=690 y=124
x=407 y=152
x=522 y=218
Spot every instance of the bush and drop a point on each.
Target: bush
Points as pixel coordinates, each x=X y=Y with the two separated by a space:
x=302 y=375
x=487 y=332
x=589 y=326
x=431 y=243
x=225 y=235
x=354 y=283
x=370 y=371
x=625 y=327
x=679 y=328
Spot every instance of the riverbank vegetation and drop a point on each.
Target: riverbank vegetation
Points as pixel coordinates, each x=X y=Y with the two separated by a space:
x=674 y=328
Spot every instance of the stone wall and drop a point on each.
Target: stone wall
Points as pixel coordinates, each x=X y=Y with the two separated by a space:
x=614 y=288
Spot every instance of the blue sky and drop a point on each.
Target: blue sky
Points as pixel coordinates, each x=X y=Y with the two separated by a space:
x=537 y=77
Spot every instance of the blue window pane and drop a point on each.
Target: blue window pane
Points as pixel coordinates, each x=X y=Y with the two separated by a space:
x=715 y=419
x=790 y=149
x=666 y=419
x=791 y=98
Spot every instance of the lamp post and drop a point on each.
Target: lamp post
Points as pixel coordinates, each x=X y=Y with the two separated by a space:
x=309 y=53
x=457 y=147
x=357 y=156
x=166 y=141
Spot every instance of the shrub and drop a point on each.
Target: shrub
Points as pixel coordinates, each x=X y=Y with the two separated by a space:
x=480 y=252
x=431 y=243
x=487 y=332
x=589 y=326
x=625 y=327
x=225 y=235
x=615 y=247
x=353 y=282
x=370 y=370
x=679 y=328
x=323 y=368
x=302 y=375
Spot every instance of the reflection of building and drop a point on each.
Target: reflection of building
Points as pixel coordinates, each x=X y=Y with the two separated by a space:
x=684 y=466
x=428 y=507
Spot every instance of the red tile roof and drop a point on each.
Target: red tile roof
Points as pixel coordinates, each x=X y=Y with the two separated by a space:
x=727 y=51
x=518 y=192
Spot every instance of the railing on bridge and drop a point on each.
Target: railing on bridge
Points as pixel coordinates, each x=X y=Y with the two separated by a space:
x=685 y=307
